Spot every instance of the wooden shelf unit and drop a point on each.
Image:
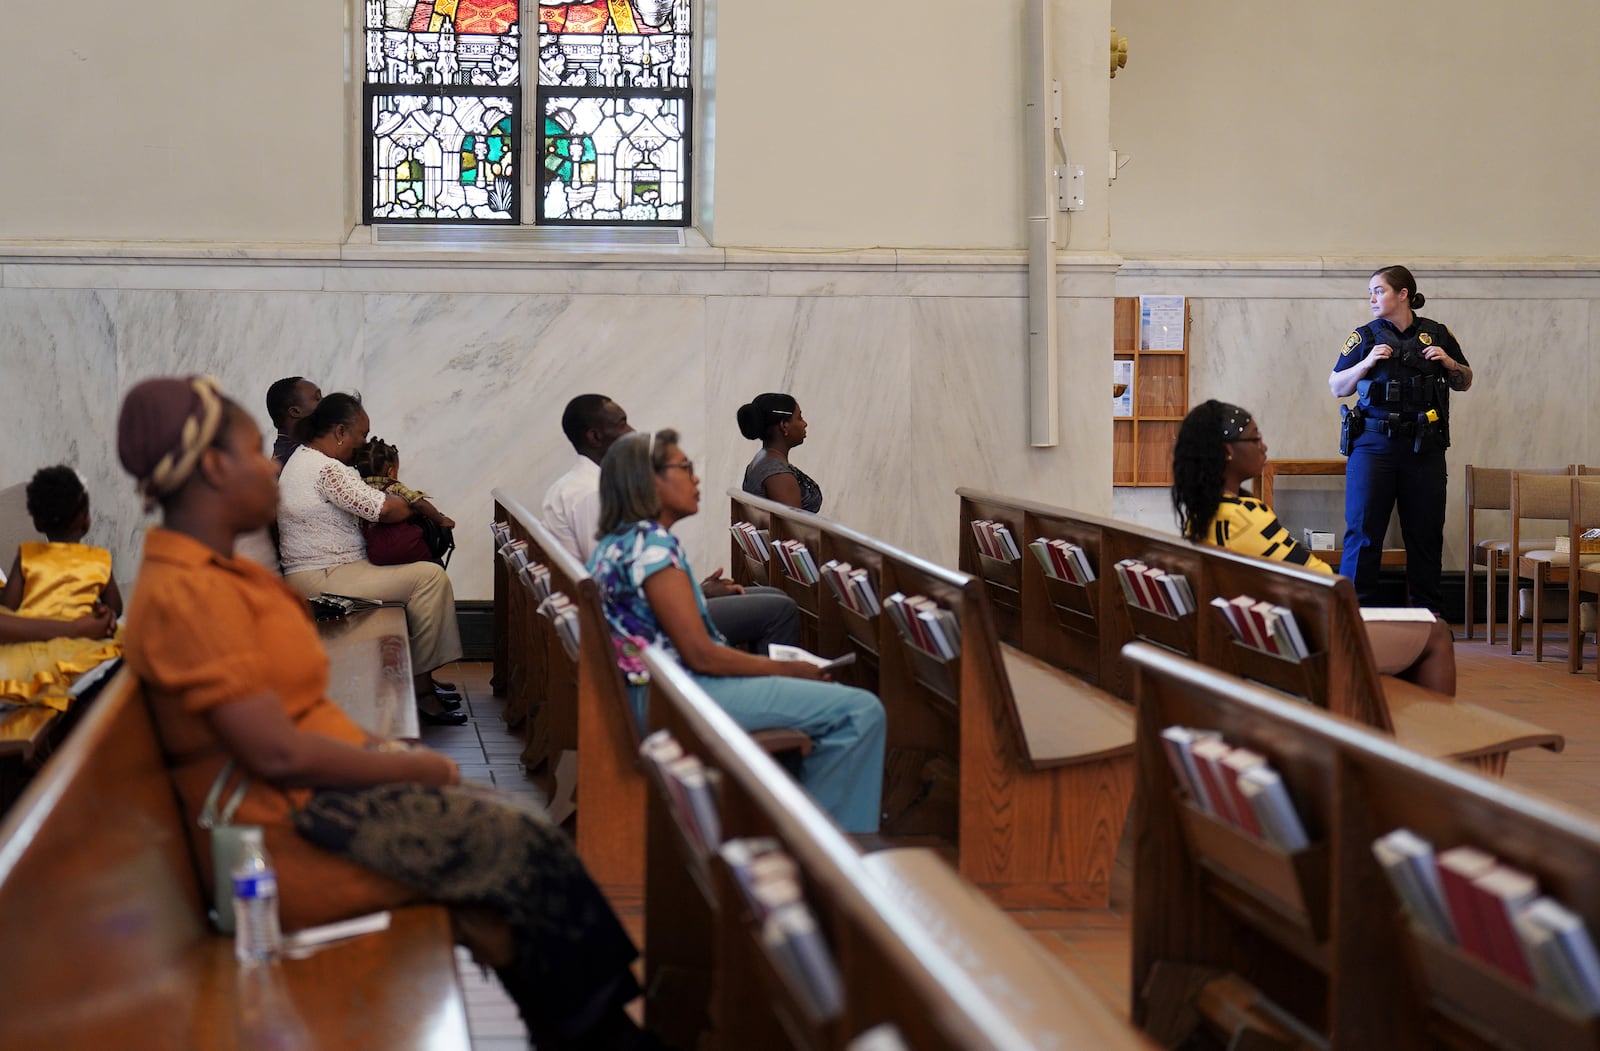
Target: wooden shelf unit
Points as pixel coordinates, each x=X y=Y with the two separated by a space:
x=1265 y=484
x=1141 y=444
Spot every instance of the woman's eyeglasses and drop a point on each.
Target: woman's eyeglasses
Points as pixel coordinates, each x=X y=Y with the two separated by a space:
x=686 y=465
x=1233 y=441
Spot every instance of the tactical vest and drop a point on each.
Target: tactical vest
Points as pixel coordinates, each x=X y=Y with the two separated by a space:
x=1406 y=385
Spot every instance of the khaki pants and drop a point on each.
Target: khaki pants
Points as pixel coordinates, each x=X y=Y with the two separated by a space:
x=422 y=586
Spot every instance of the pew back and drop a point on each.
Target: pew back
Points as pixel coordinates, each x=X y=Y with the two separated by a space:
x=103 y=925
x=916 y=947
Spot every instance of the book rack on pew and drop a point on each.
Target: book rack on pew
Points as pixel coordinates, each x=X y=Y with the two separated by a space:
x=1024 y=767
x=889 y=939
x=1311 y=947
x=571 y=703
x=1337 y=672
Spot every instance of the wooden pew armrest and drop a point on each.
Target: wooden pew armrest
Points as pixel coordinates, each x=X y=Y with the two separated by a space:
x=1032 y=990
x=1063 y=718
x=1446 y=727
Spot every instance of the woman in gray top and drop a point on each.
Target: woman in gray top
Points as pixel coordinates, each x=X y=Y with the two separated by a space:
x=775 y=421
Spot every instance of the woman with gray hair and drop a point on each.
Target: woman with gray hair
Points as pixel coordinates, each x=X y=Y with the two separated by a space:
x=650 y=595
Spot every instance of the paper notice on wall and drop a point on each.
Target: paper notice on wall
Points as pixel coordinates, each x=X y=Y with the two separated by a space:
x=1121 y=387
x=1160 y=322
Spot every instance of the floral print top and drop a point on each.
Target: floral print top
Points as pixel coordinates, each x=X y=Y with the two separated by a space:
x=621 y=564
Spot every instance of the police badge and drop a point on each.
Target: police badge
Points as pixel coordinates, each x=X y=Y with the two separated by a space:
x=1427 y=340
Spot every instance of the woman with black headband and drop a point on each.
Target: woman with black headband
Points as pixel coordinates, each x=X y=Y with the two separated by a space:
x=775 y=421
x=1219 y=449
x=236 y=680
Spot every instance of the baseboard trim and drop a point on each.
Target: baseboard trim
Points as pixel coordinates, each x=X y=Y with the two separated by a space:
x=475 y=619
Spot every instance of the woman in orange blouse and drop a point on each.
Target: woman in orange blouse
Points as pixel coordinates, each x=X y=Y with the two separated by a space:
x=233 y=669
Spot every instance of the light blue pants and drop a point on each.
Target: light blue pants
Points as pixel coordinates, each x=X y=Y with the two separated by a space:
x=844 y=772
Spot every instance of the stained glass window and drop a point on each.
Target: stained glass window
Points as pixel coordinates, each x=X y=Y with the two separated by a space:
x=444 y=112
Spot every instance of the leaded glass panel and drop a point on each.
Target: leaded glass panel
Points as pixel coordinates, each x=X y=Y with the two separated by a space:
x=443 y=111
x=614 y=94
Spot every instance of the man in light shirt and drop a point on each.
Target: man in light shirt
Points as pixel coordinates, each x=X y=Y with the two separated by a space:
x=750 y=617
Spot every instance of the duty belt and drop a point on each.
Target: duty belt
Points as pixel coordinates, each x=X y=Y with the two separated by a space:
x=1402 y=425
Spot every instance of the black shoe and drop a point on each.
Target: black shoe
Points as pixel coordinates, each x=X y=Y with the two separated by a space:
x=447 y=695
x=449 y=702
x=442 y=718
x=450 y=687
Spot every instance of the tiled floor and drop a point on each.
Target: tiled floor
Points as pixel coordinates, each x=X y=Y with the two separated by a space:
x=1094 y=945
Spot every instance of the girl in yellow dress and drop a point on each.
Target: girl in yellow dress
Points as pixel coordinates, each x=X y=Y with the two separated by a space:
x=59 y=606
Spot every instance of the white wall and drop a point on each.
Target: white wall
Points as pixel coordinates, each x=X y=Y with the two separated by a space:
x=1365 y=127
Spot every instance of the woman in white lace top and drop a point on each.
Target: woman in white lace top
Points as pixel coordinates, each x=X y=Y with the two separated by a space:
x=322 y=502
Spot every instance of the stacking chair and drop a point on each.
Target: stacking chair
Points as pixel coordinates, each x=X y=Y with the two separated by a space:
x=1489 y=489
x=1586 y=580
x=1541 y=497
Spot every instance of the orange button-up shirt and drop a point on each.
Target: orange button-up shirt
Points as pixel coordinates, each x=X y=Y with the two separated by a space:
x=204 y=631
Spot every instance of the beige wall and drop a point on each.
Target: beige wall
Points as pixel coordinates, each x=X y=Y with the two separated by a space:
x=1430 y=128
x=901 y=128
x=167 y=121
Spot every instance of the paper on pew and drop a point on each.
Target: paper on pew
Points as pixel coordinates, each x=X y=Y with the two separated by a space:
x=1395 y=614
x=305 y=942
x=780 y=652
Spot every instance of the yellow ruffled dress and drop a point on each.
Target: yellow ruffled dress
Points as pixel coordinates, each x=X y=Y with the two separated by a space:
x=62 y=582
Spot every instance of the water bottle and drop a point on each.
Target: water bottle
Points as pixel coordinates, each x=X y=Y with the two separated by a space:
x=256 y=937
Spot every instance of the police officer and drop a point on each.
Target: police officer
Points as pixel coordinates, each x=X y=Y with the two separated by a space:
x=1403 y=367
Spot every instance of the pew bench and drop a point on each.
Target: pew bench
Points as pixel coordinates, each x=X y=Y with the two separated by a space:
x=369 y=671
x=1035 y=762
x=916 y=946
x=1311 y=948
x=1339 y=675
x=106 y=942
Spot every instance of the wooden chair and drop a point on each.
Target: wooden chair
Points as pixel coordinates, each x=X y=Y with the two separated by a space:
x=1539 y=497
x=106 y=941
x=1585 y=515
x=916 y=946
x=1489 y=489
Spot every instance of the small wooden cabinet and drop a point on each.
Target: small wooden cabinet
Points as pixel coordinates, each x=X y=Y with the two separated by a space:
x=1141 y=444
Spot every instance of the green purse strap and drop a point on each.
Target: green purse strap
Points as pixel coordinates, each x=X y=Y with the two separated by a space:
x=209 y=815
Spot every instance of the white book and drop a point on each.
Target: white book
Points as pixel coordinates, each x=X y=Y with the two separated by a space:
x=1407 y=860
x=1553 y=972
x=1008 y=543
x=1576 y=947
x=1269 y=800
x=883 y=1037
x=793 y=933
x=935 y=627
x=1397 y=614
x=1290 y=629
x=1179 y=742
x=1080 y=561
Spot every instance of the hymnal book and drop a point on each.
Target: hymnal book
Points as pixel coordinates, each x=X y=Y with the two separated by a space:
x=1234 y=764
x=1573 y=954
x=1458 y=867
x=837 y=574
x=563 y=615
x=1408 y=861
x=995 y=540
x=752 y=541
x=1243 y=621
x=1502 y=892
x=1125 y=579
x=660 y=748
x=1289 y=638
x=537 y=577
x=1078 y=559
x=796 y=560
x=1208 y=755
x=1179 y=595
x=1179 y=743
x=797 y=948
x=765 y=873
x=866 y=594
x=699 y=818
x=501 y=531
x=1267 y=797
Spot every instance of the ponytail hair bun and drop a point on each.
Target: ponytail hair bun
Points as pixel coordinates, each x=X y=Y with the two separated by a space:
x=764 y=412
x=1417 y=300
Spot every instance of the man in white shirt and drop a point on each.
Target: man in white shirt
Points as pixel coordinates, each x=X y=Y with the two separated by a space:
x=746 y=616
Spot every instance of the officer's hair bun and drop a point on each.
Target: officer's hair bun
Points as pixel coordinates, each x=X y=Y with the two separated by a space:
x=1417 y=300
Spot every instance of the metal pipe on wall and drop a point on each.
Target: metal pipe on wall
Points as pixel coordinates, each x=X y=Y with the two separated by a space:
x=1044 y=404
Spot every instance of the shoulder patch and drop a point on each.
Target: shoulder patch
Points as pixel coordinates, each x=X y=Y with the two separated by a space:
x=1353 y=341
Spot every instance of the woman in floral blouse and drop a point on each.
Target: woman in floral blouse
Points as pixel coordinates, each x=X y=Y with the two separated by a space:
x=651 y=596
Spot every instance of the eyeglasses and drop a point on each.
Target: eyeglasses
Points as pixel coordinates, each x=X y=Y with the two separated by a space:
x=1234 y=441
x=686 y=465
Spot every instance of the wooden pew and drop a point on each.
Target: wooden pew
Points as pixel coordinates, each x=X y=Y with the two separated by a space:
x=585 y=706
x=1311 y=948
x=369 y=671
x=1034 y=762
x=106 y=941
x=1339 y=675
x=917 y=947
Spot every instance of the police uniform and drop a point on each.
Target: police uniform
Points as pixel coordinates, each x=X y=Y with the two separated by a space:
x=1398 y=457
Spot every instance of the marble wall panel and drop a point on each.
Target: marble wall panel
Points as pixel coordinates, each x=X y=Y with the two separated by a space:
x=847 y=362
x=472 y=388
x=58 y=375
